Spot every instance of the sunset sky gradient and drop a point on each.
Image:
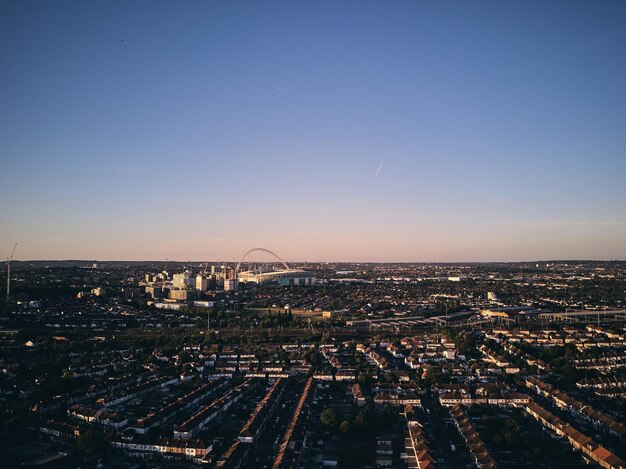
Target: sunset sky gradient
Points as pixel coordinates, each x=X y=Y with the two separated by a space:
x=356 y=131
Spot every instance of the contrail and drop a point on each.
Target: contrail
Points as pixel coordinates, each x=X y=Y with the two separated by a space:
x=278 y=88
x=382 y=162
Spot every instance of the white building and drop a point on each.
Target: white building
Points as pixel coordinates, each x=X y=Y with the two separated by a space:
x=183 y=280
x=202 y=283
x=230 y=284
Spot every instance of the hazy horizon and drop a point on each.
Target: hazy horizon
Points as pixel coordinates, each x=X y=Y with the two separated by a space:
x=368 y=131
x=300 y=261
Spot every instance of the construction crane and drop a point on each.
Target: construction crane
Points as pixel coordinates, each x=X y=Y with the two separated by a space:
x=9 y=259
x=206 y=266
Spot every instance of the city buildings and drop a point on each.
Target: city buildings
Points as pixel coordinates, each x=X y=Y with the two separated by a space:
x=263 y=375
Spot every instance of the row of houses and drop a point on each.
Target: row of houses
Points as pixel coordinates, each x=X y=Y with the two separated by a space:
x=607 y=361
x=342 y=371
x=153 y=420
x=397 y=398
x=191 y=449
x=578 y=440
x=373 y=356
x=384 y=451
x=344 y=374
x=288 y=450
x=58 y=402
x=568 y=335
x=613 y=335
x=134 y=391
x=103 y=417
x=198 y=421
x=419 y=455
x=564 y=401
x=59 y=431
x=477 y=448
x=504 y=398
x=263 y=410
x=429 y=349
x=266 y=375
x=435 y=354
x=267 y=367
x=618 y=391
x=236 y=455
x=602 y=382
x=499 y=360
x=357 y=394
x=527 y=358
x=427 y=342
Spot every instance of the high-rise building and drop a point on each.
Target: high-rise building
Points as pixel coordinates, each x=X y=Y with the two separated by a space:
x=183 y=280
x=181 y=295
x=154 y=291
x=202 y=283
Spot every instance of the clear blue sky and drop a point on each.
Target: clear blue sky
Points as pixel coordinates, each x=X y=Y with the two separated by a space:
x=197 y=130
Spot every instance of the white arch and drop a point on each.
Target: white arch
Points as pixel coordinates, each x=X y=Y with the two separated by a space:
x=262 y=250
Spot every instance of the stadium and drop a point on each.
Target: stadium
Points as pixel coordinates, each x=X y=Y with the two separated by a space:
x=274 y=270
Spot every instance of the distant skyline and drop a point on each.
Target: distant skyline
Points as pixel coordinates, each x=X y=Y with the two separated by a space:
x=324 y=131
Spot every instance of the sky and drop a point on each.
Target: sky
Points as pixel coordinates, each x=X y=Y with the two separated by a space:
x=324 y=131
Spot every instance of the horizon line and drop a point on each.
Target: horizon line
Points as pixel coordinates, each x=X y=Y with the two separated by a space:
x=324 y=262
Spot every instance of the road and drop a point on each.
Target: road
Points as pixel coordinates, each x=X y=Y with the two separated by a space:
x=438 y=436
x=264 y=450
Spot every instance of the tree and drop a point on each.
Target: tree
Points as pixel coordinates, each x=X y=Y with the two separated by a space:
x=92 y=443
x=360 y=419
x=344 y=426
x=466 y=344
x=329 y=417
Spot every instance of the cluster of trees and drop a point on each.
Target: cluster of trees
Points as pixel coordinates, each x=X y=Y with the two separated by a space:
x=278 y=318
x=350 y=431
x=367 y=420
x=466 y=343
x=505 y=435
x=92 y=445
x=453 y=305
